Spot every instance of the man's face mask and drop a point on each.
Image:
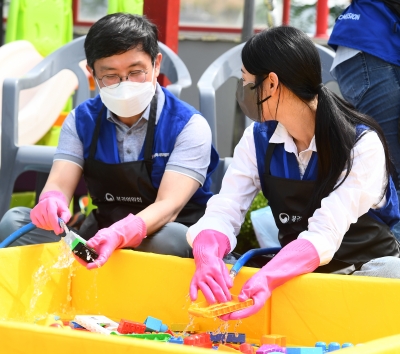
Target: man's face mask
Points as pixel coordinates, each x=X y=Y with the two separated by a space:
x=246 y=95
x=129 y=98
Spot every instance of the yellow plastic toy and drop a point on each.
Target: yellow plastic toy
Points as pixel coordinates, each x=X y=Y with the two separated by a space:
x=203 y=309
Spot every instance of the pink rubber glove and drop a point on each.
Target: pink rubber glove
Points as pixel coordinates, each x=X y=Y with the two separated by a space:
x=211 y=276
x=128 y=232
x=52 y=205
x=296 y=258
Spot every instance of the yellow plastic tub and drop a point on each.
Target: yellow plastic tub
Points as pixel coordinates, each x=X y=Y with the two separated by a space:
x=134 y=285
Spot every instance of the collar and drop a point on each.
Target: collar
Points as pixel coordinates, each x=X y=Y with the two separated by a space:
x=160 y=104
x=282 y=136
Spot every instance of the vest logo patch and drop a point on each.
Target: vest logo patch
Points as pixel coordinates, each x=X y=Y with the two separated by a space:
x=285 y=218
x=160 y=154
x=110 y=198
x=130 y=199
x=349 y=16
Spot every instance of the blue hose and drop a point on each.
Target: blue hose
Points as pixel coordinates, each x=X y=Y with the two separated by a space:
x=249 y=254
x=17 y=234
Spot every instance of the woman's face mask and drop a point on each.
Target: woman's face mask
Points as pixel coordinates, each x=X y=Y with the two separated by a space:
x=246 y=95
x=129 y=98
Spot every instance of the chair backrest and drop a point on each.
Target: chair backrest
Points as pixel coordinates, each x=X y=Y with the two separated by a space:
x=47 y=24
x=228 y=65
x=175 y=70
x=16 y=159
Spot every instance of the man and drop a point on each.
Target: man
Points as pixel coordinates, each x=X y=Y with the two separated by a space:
x=146 y=156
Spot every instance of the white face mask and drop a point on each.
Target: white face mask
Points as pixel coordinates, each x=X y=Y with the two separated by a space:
x=129 y=98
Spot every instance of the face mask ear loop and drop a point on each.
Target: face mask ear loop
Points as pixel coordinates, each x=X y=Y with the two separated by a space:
x=95 y=79
x=154 y=69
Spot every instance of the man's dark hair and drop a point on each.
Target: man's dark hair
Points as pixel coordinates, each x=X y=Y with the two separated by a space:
x=119 y=32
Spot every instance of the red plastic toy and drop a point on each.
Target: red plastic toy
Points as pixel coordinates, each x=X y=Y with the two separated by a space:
x=199 y=340
x=128 y=327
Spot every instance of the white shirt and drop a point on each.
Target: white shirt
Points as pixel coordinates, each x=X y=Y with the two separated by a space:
x=362 y=190
x=342 y=54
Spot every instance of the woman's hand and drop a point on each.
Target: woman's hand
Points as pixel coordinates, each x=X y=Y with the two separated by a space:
x=211 y=276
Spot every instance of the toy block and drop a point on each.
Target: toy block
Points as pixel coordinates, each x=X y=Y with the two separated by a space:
x=203 y=309
x=247 y=348
x=305 y=350
x=225 y=348
x=170 y=332
x=333 y=346
x=154 y=325
x=273 y=339
x=228 y=337
x=181 y=327
x=159 y=337
x=96 y=323
x=347 y=345
x=198 y=340
x=75 y=325
x=176 y=340
x=129 y=327
x=321 y=345
x=270 y=348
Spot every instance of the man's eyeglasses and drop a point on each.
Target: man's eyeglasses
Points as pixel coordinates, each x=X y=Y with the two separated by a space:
x=113 y=81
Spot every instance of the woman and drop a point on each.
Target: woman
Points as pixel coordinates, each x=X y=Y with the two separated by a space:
x=323 y=167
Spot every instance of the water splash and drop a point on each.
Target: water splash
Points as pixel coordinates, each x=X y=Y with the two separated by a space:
x=45 y=273
x=191 y=322
x=235 y=328
x=187 y=299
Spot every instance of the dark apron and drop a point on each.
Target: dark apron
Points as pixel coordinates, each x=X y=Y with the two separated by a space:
x=123 y=188
x=365 y=240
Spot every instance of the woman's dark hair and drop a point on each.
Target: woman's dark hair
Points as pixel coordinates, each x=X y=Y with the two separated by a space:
x=293 y=57
x=119 y=32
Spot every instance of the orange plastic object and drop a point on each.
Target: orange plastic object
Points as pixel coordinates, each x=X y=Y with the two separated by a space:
x=203 y=309
x=225 y=348
x=60 y=120
x=273 y=339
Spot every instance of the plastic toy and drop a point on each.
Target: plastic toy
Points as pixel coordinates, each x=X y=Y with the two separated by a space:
x=176 y=340
x=273 y=339
x=247 y=348
x=228 y=337
x=270 y=348
x=154 y=325
x=198 y=340
x=225 y=348
x=203 y=309
x=78 y=245
x=184 y=327
x=160 y=337
x=304 y=350
x=129 y=327
x=96 y=323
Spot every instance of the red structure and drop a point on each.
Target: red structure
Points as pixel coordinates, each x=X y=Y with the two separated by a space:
x=322 y=19
x=165 y=14
x=286 y=12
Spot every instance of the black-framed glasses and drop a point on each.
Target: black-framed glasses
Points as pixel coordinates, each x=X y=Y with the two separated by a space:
x=113 y=81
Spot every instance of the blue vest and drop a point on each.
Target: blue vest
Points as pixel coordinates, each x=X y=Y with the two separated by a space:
x=285 y=165
x=174 y=116
x=369 y=26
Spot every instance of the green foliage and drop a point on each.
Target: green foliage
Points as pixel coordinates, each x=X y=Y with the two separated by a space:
x=247 y=239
